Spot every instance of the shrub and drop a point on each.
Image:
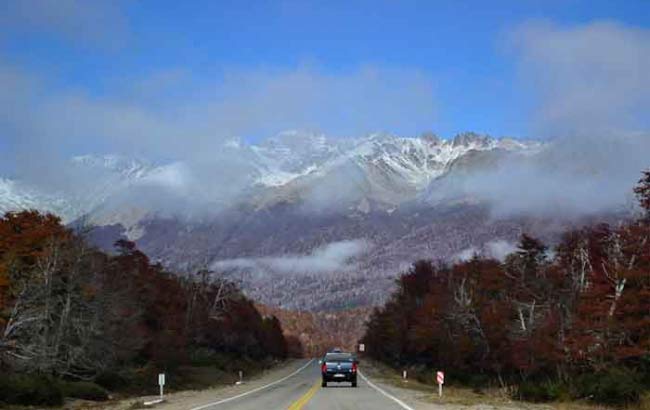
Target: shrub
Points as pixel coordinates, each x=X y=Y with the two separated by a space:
x=139 y=379
x=204 y=358
x=476 y=381
x=222 y=361
x=423 y=374
x=644 y=369
x=614 y=386
x=112 y=380
x=30 y=390
x=540 y=392
x=84 y=391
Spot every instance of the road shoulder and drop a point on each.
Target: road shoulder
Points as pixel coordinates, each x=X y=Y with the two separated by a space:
x=420 y=396
x=188 y=399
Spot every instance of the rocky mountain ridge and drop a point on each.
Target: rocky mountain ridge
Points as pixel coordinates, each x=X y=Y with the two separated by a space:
x=379 y=168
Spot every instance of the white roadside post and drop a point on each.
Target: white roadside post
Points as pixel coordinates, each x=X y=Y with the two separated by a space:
x=241 y=377
x=404 y=375
x=440 y=378
x=161 y=383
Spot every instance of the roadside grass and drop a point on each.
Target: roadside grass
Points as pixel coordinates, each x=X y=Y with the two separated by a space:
x=644 y=404
x=461 y=397
x=143 y=382
x=452 y=395
x=198 y=376
x=212 y=375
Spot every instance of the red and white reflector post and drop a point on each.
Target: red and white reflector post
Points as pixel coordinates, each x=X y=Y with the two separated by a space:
x=440 y=378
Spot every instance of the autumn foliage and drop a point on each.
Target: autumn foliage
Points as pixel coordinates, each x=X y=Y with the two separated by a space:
x=580 y=309
x=312 y=334
x=70 y=311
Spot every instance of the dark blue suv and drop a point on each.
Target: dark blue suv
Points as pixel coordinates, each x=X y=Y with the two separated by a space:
x=339 y=367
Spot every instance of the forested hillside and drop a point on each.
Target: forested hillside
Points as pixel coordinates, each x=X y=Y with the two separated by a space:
x=315 y=333
x=71 y=313
x=569 y=321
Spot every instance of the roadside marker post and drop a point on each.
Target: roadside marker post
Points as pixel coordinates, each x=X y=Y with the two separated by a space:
x=404 y=375
x=241 y=377
x=440 y=378
x=161 y=383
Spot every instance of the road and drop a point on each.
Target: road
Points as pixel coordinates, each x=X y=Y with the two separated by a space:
x=302 y=390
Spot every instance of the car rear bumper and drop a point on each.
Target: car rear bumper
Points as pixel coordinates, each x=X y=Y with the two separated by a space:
x=339 y=377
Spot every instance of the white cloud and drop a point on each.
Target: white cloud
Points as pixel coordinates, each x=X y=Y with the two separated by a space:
x=333 y=257
x=177 y=118
x=194 y=123
x=590 y=78
x=499 y=249
x=466 y=254
x=572 y=176
x=592 y=94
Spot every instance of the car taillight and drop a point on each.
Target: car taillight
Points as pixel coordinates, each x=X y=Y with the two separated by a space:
x=354 y=367
x=323 y=368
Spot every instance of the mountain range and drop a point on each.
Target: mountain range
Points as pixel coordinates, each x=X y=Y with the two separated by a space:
x=379 y=168
x=301 y=220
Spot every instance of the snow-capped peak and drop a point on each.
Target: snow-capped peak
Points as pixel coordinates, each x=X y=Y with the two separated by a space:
x=291 y=155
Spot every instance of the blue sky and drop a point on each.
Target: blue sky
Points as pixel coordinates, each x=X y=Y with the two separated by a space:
x=398 y=66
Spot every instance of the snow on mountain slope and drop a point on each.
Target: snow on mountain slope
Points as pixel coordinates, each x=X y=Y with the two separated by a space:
x=14 y=196
x=415 y=160
x=292 y=154
x=377 y=170
x=89 y=182
x=127 y=167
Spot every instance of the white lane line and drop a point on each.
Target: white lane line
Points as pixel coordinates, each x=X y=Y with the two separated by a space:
x=390 y=396
x=205 y=406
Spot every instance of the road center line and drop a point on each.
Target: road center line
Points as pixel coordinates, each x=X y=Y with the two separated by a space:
x=300 y=403
x=390 y=396
x=205 y=406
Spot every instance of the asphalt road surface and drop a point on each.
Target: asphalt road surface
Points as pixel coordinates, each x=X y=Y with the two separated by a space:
x=302 y=390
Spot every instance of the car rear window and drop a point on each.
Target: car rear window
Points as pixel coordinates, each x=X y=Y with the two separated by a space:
x=338 y=357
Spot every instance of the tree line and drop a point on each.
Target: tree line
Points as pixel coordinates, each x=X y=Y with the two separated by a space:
x=71 y=312
x=316 y=333
x=569 y=321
